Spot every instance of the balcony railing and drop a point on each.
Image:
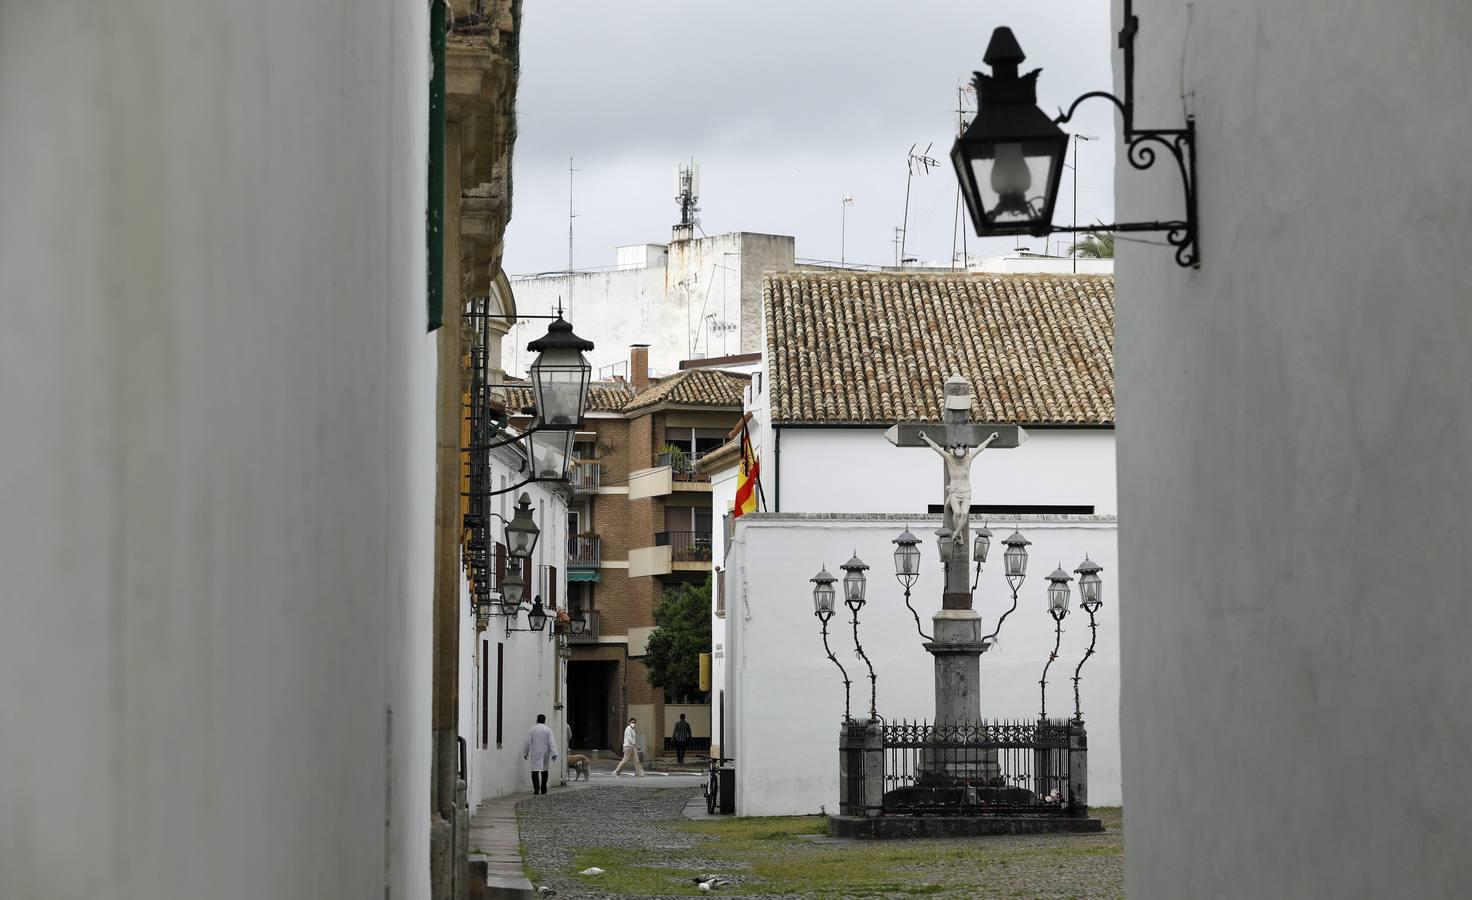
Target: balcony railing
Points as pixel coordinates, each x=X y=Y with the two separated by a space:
x=590 y=634
x=684 y=465
x=685 y=546
x=586 y=477
x=584 y=551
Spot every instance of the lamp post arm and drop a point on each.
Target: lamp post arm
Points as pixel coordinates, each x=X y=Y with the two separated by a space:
x=998 y=630
x=1093 y=636
x=842 y=671
x=915 y=614
x=1057 y=642
x=873 y=679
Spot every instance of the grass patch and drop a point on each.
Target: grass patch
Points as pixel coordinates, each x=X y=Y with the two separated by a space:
x=632 y=873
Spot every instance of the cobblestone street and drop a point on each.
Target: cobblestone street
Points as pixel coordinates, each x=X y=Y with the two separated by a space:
x=639 y=833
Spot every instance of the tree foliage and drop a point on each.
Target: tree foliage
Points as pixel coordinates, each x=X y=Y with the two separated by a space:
x=681 y=634
x=1098 y=245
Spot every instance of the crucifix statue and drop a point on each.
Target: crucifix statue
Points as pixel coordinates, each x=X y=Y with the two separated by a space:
x=958 y=481
x=957 y=643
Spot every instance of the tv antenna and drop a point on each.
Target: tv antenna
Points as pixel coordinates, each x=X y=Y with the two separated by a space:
x=923 y=163
x=958 y=222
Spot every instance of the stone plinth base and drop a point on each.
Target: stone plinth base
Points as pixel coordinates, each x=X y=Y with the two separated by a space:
x=954 y=796
x=896 y=827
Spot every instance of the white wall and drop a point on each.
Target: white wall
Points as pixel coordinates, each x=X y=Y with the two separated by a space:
x=722 y=495
x=784 y=698
x=535 y=677
x=857 y=470
x=648 y=305
x=215 y=502
x=1293 y=448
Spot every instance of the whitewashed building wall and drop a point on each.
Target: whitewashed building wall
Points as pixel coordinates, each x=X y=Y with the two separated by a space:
x=784 y=698
x=661 y=299
x=216 y=524
x=1293 y=448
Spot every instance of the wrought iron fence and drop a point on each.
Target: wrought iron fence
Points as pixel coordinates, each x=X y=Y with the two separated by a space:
x=851 y=769
x=685 y=546
x=978 y=769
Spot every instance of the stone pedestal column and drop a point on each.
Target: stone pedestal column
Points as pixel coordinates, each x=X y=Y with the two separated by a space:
x=957 y=650
x=1078 y=769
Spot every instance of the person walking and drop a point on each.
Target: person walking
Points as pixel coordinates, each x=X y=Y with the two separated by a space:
x=631 y=751
x=681 y=738
x=540 y=747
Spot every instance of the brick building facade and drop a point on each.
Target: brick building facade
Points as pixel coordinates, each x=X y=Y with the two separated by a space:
x=640 y=523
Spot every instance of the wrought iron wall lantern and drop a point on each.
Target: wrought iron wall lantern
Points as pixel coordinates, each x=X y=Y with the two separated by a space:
x=536 y=617
x=560 y=377
x=1010 y=159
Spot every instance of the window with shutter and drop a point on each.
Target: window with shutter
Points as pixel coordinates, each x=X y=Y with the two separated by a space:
x=552 y=586
x=500 y=565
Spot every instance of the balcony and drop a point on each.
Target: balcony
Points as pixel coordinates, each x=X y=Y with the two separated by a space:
x=584 y=551
x=586 y=477
x=590 y=634
x=684 y=465
x=685 y=546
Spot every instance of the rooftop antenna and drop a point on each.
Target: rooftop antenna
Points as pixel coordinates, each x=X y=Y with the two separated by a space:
x=570 y=217
x=914 y=161
x=687 y=196
x=956 y=224
x=843 y=231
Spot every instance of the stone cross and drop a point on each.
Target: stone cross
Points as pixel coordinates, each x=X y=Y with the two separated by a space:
x=958 y=440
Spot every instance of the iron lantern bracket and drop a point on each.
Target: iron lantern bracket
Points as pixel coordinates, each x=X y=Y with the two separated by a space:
x=1141 y=151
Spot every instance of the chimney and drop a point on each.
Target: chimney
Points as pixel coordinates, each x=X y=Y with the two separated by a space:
x=639 y=366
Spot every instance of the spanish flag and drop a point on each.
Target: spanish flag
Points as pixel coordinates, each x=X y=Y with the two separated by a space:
x=748 y=479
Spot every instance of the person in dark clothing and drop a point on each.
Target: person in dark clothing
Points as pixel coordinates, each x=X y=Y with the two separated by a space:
x=681 y=738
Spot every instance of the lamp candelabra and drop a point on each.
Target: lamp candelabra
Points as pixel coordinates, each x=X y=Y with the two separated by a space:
x=1091 y=591
x=823 y=609
x=1057 y=608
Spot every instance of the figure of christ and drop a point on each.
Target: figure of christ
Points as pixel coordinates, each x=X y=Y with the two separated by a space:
x=958 y=480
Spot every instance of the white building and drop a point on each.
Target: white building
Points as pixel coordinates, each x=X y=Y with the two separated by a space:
x=1294 y=470
x=849 y=354
x=216 y=516
x=693 y=297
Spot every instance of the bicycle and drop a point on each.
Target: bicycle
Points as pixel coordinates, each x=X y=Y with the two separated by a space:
x=711 y=789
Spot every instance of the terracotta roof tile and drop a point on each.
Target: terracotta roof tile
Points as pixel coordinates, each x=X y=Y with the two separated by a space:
x=869 y=347
x=603 y=396
x=695 y=387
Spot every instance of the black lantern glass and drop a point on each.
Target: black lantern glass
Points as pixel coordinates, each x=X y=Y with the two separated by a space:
x=1010 y=159
x=1090 y=585
x=823 y=593
x=1058 y=592
x=536 y=619
x=549 y=452
x=854 y=582
x=906 y=555
x=579 y=623
x=1015 y=556
x=945 y=544
x=522 y=532
x=512 y=590
x=982 y=545
x=560 y=376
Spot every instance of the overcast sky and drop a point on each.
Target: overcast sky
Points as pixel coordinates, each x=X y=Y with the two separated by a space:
x=786 y=105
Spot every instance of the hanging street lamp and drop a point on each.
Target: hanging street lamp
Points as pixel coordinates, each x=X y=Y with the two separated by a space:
x=512 y=591
x=1009 y=160
x=907 y=570
x=1057 y=608
x=854 y=584
x=548 y=453
x=945 y=544
x=823 y=609
x=979 y=549
x=1014 y=564
x=521 y=531
x=1091 y=590
x=560 y=376
x=579 y=623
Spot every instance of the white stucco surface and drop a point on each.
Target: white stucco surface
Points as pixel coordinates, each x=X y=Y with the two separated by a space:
x=665 y=301
x=1293 y=455
x=784 y=698
x=857 y=470
x=215 y=498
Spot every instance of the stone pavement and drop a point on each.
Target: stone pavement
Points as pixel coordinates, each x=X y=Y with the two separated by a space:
x=495 y=851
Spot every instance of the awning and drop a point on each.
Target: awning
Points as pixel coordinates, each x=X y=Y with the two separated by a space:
x=582 y=575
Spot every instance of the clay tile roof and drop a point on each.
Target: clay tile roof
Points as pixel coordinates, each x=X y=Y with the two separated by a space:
x=695 y=387
x=603 y=396
x=725 y=455
x=869 y=347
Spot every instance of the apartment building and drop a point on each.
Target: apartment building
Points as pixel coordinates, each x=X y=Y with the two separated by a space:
x=640 y=523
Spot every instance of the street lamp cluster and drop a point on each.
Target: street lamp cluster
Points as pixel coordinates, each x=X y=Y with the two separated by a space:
x=907 y=573
x=560 y=376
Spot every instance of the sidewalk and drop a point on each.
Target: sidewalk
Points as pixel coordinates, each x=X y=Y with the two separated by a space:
x=495 y=851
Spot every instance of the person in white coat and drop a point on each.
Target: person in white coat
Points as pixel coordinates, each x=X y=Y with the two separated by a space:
x=540 y=748
x=631 y=750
